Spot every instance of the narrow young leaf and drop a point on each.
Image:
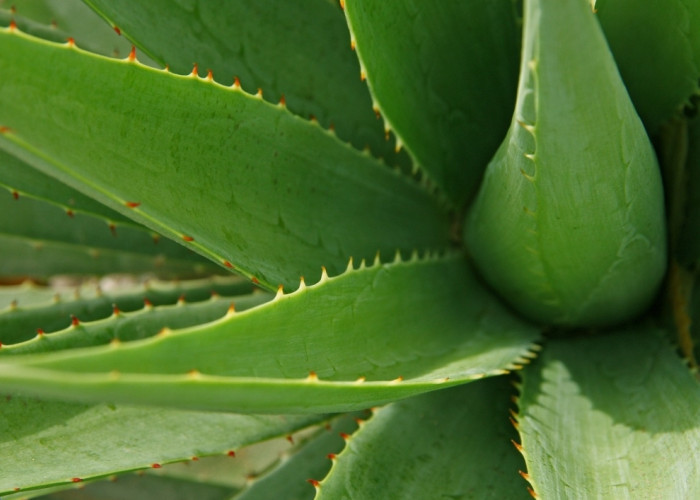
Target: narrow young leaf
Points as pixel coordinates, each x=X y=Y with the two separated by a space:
x=366 y=337
x=611 y=416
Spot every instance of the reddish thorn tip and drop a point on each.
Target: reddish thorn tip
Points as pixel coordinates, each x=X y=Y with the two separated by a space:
x=155 y=466
x=195 y=70
x=113 y=229
x=517 y=445
x=0 y=345
x=236 y=82
x=283 y=101
x=147 y=302
x=39 y=332
x=290 y=439
x=74 y=321
x=70 y=213
x=115 y=309
x=4 y=130
x=344 y=435
x=71 y=41
x=76 y=480
x=210 y=75
x=231 y=453
x=15 y=195
x=331 y=456
x=255 y=280
x=132 y=204
x=228 y=264
x=117 y=30
x=342 y=4
x=132 y=54
x=15 y=489
x=187 y=238
x=314 y=483
x=194 y=459
x=13 y=25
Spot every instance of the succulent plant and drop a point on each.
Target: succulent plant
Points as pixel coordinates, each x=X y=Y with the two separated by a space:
x=396 y=249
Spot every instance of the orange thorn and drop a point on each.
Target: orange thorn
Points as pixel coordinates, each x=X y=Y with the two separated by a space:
x=352 y=44
x=194 y=459
x=228 y=264
x=331 y=456
x=210 y=75
x=147 y=302
x=531 y=492
x=74 y=321
x=132 y=54
x=39 y=332
x=344 y=435
x=71 y=42
x=312 y=377
x=70 y=213
x=524 y=475
x=290 y=438
x=517 y=445
x=236 y=82
x=117 y=30
x=313 y=482
x=76 y=480
x=195 y=70
x=13 y=25
x=231 y=453
x=115 y=309
x=342 y=4
x=231 y=308
x=259 y=93
x=15 y=194
x=156 y=466
x=113 y=229
x=132 y=204
x=4 y=130
x=283 y=101
x=255 y=280
x=363 y=76
x=187 y=238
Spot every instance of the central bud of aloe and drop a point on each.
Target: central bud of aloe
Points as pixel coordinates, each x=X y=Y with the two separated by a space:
x=568 y=225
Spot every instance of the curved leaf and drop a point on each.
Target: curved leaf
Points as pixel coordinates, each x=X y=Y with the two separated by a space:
x=611 y=416
x=75 y=441
x=299 y=50
x=366 y=337
x=448 y=444
x=444 y=76
x=242 y=181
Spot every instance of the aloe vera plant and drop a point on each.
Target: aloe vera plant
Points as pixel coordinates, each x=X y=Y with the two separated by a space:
x=360 y=294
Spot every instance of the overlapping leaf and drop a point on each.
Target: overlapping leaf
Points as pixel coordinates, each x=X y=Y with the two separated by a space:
x=366 y=337
x=611 y=416
x=260 y=188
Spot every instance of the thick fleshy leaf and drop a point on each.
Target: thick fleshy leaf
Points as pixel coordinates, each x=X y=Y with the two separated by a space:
x=288 y=480
x=657 y=49
x=240 y=180
x=448 y=444
x=611 y=416
x=45 y=443
x=299 y=51
x=26 y=308
x=571 y=209
x=366 y=337
x=444 y=76
x=25 y=257
x=21 y=179
x=121 y=326
x=57 y=21
x=40 y=221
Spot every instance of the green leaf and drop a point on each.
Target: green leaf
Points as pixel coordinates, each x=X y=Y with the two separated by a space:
x=239 y=180
x=657 y=49
x=26 y=308
x=76 y=441
x=297 y=50
x=366 y=337
x=611 y=416
x=444 y=76
x=288 y=479
x=37 y=220
x=448 y=444
x=23 y=180
x=571 y=210
x=689 y=239
x=122 y=326
x=23 y=257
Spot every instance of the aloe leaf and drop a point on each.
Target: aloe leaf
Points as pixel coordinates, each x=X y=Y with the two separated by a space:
x=447 y=444
x=366 y=337
x=57 y=21
x=86 y=442
x=20 y=179
x=22 y=257
x=657 y=49
x=296 y=51
x=120 y=326
x=466 y=101
x=140 y=487
x=287 y=480
x=242 y=181
x=26 y=308
x=38 y=220
x=612 y=416
x=689 y=239
x=571 y=209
